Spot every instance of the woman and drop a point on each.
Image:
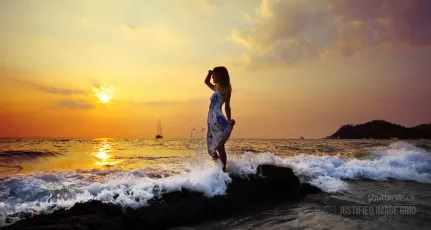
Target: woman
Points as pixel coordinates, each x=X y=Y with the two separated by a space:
x=219 y=127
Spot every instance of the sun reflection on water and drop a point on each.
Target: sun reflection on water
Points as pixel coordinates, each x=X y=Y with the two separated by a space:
x=101 y=156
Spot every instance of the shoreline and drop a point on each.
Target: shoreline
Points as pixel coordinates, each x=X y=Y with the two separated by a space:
x=270 y=185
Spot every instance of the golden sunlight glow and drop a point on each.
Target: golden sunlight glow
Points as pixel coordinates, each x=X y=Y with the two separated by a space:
x=104 y=94
x=102 y=157
x=104 y=97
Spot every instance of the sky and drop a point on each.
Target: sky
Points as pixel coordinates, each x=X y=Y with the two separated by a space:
x=105 y=68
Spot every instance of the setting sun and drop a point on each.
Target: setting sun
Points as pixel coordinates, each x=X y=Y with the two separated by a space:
x=206 y=113
x=104 y=94
x=104 y=97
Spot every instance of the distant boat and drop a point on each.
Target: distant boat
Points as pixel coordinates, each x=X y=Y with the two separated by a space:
x=159 y=130
x=302 y=138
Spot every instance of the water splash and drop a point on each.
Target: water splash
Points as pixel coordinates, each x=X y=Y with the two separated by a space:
x=198 y=138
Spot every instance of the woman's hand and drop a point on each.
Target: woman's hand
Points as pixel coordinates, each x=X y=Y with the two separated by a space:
x=232 y=122
x=208 y=80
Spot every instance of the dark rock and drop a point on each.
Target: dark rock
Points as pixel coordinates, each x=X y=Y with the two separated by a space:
x=310 y=189
x=270 y=185
x=379 y=129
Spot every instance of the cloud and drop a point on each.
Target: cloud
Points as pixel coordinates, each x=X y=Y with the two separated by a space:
x=163 y=35
x=72 y=104
x=372 y=23
x=279 y=34
x=286 y=32
x=49 y=89
x=131 y=27
x=104 y=92
x=206 y=5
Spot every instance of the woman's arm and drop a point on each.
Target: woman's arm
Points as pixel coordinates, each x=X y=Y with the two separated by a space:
x=227 y=109
x=208 y=82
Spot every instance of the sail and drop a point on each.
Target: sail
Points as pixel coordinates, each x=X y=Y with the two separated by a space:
x=159 y=130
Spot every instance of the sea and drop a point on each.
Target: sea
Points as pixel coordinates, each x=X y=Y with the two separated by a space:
x=366 y=184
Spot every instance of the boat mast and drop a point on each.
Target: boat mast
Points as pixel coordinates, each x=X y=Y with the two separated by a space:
x=161 y=130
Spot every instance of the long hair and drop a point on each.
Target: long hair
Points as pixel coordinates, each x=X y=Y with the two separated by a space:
x=224 y=79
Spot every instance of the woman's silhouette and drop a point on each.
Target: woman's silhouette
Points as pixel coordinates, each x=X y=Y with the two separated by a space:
x=219 y=127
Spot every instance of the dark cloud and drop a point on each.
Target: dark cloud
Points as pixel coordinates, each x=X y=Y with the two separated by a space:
x=368 y=23
x=280 y=33
x=72 y=104
x=285 y=32
x=49 y=89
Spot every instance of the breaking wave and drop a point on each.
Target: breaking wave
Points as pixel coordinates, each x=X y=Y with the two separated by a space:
x=24 y=195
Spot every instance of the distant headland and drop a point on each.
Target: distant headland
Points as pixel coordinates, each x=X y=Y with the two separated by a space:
x=380 y=129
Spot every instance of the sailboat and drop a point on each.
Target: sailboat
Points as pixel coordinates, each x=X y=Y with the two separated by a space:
x=159 y=130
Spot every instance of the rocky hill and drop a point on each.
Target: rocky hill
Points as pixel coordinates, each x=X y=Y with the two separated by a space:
x=380 y=129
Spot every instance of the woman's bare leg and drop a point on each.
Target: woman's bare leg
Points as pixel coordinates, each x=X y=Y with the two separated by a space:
x=215 y=156
x=222 y=155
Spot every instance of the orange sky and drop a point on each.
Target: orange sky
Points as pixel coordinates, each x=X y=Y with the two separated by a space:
x=298 y=68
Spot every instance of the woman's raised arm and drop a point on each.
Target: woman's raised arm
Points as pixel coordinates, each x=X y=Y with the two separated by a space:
x=208 y=82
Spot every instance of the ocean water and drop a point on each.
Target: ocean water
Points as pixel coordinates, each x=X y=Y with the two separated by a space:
x=367 y=184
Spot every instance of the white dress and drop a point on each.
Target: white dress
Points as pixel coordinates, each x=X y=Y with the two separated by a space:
x=219 y=128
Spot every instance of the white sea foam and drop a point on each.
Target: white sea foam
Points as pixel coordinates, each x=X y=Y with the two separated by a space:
x=2 y=214
x=46 y=192
x=400 y=161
